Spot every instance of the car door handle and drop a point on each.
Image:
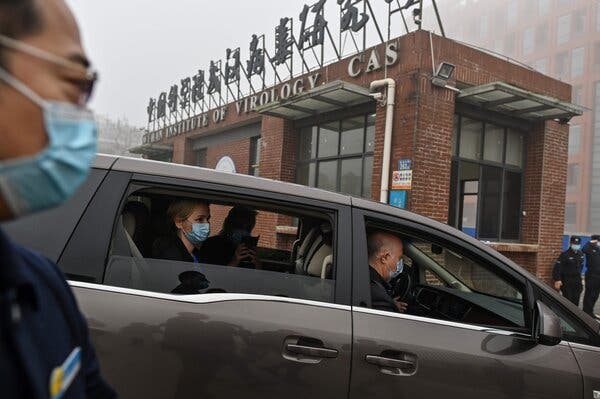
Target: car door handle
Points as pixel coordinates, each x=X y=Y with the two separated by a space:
x=306 y=350
x=388 y=362
x=312 y=351
x=394 y=363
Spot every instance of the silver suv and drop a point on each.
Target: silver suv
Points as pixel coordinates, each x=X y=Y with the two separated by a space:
x=303 y=324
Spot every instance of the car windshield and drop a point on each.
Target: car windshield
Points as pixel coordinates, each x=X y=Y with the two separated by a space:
x=459 y=272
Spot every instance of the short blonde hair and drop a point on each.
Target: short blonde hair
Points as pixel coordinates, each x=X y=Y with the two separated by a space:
x=182 y=209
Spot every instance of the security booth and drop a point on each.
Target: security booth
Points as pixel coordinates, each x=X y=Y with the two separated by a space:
x=422 y=122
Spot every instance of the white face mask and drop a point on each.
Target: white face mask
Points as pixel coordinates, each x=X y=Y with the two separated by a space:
x=399 y=269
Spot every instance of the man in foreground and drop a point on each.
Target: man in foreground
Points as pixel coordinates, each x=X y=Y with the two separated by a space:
x=48 y=143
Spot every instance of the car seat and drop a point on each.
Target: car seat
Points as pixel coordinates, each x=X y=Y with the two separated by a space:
x=315 y=253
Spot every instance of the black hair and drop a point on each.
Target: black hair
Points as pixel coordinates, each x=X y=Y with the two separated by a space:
x=18 y=18
x=240 y=217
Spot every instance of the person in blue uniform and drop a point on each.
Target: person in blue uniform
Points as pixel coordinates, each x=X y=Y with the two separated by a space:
x=567 y=271
x=47 y=144
x=592 y=274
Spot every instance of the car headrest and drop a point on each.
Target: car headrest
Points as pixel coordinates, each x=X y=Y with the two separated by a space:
x=129 y=223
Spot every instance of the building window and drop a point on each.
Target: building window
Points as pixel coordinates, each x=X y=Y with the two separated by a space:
x=541 y=65
x=541 y=36
x=543 y=7
x=255 y=143
x=572 y=177
x=574 y=139
x=577 y=62
x=578 y=23
x=201 y=158
x=528 y=40
x=577 y=95
x=563 y=29
x=562 y=65
x=487 y=176
x=338 y=156
x=570 y=217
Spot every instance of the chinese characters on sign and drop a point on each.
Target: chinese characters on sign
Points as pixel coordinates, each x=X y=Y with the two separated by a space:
x=350 y=18
x=195 y=95
x=402 y=180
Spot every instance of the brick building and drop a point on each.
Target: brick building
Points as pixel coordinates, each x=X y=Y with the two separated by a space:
x=559 y=38
x=490 y=158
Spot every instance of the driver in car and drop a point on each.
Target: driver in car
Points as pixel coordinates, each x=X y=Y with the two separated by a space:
x=385 y=263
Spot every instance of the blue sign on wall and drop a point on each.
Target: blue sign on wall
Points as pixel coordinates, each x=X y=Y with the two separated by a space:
x=398 y=198
x=404 y=164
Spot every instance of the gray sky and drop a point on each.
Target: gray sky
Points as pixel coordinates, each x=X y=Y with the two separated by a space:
x=142 y=47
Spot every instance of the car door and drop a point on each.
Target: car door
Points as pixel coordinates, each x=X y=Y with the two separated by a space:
x=458 y=347
x=583 y=338
x=283 y=343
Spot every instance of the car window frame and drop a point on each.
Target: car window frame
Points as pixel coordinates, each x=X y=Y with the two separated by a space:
x=361 y=291
x=342 y=228
x=548 y=300
x=90 y=240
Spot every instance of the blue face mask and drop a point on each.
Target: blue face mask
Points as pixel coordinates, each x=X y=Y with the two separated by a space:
x=199 y=233
x=48 y=179
x=576 y=247
x=399 y=269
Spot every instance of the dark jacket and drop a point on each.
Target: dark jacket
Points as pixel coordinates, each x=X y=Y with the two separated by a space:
x=217 y=250
x=568 y=266
x=220 y=250
x=171 y=248
x=40 y=327
x=592 y=255
x=380 y=297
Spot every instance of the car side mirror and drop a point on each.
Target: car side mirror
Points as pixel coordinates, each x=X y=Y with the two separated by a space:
x=547 y=329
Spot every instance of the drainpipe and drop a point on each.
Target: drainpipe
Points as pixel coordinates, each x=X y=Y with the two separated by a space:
x=387 y=141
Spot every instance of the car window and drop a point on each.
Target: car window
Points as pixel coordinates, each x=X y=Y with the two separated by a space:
x=47 y=232
x=252 y=248
x=443 y=282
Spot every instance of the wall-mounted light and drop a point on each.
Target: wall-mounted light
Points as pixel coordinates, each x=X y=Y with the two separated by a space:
x=443 y=73
x=445 y=70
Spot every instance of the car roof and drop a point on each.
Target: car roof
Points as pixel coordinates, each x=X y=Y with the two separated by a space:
x=166 y=169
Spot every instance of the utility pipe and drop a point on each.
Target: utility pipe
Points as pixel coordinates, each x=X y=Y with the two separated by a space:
x=387 y=141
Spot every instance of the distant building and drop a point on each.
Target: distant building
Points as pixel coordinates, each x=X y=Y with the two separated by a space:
x=560 y=38
x=116 y=137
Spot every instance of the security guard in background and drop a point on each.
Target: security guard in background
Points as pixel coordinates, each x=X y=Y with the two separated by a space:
x=48 y=141
x=592 y=275
x=567 y=271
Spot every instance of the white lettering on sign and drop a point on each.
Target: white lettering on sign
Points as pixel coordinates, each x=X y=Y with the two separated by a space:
x=286 y=91
x=312 y=79
x=353 y=69
x=374 y=64
x=298 y=87
x=356 y=67
x=391 y=54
